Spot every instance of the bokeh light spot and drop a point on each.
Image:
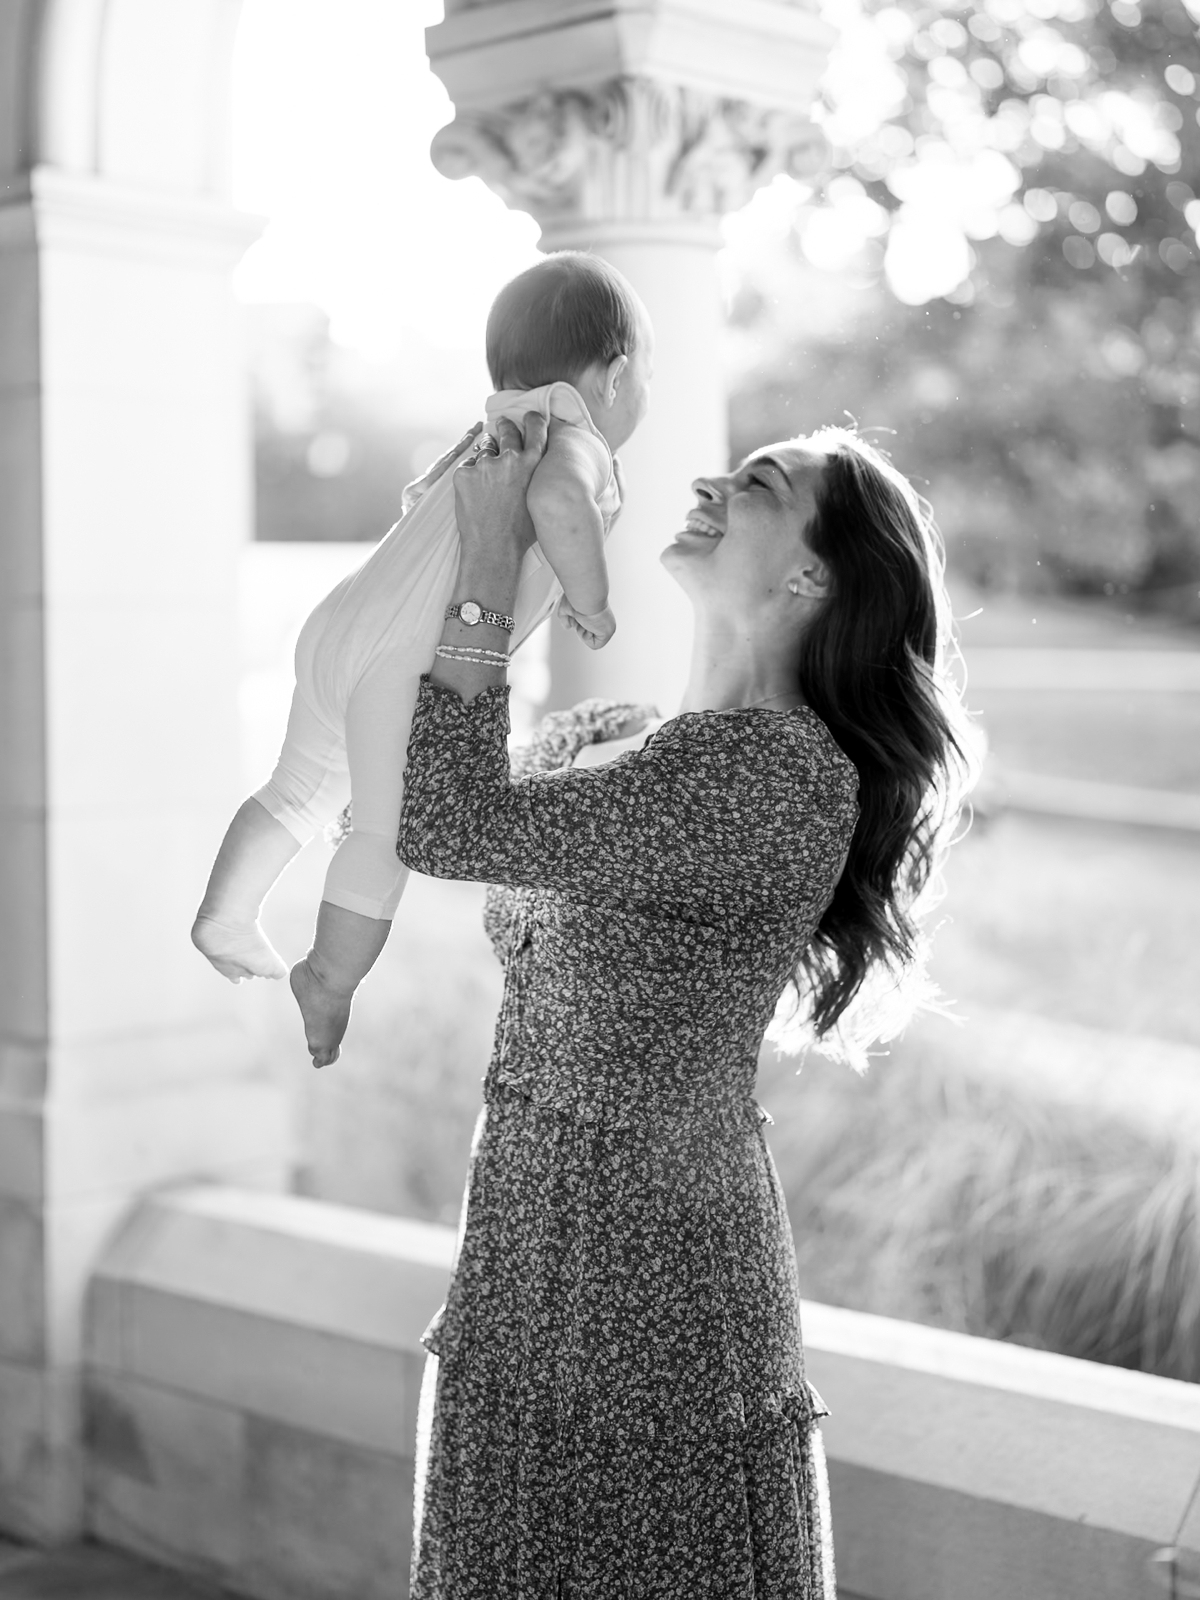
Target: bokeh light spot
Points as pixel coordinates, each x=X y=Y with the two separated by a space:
x=1078 y=252
x=1121 y=207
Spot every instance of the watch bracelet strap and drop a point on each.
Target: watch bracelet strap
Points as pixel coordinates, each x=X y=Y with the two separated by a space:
x=497 y=619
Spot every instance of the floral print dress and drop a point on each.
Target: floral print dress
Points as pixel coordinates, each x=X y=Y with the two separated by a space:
x=615 y=1405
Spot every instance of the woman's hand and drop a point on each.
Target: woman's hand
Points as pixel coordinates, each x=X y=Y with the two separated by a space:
x=490 y=487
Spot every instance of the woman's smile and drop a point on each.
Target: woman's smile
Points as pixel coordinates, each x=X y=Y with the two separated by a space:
x=697 y=522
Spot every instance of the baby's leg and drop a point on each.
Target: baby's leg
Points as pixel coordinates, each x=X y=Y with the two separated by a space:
x=253 y=853
x=365 y=878
x=309 y=785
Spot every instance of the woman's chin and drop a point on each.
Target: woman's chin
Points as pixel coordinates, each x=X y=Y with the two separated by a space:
x=687 y=545
x=683 y=559
x=672 y=556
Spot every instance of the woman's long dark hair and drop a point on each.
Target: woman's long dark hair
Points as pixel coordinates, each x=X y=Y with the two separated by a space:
x=873 y=666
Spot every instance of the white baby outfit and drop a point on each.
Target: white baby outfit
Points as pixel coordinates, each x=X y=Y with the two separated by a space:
x=358 y=661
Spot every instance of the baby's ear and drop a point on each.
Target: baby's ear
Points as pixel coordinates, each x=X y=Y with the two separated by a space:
x=612 y=378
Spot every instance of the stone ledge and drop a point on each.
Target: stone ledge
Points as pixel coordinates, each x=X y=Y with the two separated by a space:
x=965 y=1466
x=282 y=1256
x=252 y=1387
x=284 y=1308
x=253 y=1371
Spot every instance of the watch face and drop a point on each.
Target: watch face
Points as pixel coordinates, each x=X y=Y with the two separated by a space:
x=470 y=611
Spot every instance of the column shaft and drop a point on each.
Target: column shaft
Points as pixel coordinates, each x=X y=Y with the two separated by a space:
x=672 y=264
x=124 y=478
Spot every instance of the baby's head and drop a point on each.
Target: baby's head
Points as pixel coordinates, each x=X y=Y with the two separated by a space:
x=574 y=319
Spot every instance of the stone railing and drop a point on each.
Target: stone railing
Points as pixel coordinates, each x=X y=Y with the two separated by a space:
x=1113 y=671
x=966 y=1469
x=253 y=1373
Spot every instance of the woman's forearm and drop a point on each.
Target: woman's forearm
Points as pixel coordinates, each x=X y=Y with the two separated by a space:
x=495 y=531
x=489 y=577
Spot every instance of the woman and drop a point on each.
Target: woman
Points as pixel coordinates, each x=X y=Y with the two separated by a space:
x=615 y=1401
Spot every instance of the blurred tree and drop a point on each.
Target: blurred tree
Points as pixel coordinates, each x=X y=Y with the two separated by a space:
x=1016 y=174
x=328 y=466
x=338 y=436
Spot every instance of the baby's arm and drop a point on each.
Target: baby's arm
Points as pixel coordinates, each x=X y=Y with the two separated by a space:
x=563 y=495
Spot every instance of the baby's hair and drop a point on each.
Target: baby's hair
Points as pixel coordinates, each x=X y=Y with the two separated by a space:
x=554 y=320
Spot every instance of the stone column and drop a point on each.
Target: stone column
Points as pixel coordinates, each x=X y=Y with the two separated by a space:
x=124 y=500
x=631 y=129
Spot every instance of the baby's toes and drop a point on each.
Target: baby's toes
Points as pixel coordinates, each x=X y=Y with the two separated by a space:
x=270 y=964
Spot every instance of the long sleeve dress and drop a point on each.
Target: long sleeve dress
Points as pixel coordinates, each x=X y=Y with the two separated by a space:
x=615 y=1405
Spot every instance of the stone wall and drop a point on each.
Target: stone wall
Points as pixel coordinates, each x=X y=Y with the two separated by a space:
x=253 y=1370
x=252 y=1385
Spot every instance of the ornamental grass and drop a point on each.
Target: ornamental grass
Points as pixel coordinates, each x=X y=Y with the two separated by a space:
x=943 y=1198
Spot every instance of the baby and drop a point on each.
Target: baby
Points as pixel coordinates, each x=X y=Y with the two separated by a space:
x=570 y=339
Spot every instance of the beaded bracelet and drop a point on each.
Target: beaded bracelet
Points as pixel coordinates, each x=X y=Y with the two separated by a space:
x=475 y=650
x=472 y=657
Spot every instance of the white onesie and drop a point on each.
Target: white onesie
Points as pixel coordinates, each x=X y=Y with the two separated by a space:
x=358 y=661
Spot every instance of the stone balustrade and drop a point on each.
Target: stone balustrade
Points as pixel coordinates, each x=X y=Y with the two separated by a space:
x=967 y=1469
x=253 y=1368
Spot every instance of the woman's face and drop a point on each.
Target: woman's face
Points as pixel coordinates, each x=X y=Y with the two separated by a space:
x=743 y=543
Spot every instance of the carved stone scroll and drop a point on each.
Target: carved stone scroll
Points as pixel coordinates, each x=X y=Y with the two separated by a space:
x=629 y=149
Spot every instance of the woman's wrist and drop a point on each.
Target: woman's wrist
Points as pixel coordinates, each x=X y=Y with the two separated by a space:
x=471 y=658
x=491 y=579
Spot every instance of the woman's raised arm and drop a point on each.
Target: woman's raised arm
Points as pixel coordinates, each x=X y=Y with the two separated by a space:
x=717 y=809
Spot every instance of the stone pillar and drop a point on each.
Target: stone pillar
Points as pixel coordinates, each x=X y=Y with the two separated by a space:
x=124 y=500
x=630 y=129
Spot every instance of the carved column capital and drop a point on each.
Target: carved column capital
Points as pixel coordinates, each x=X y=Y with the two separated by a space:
x=629 y=150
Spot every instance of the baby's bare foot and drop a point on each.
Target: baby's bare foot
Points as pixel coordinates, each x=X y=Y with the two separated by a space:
x=237 y=951
x=326 y=1014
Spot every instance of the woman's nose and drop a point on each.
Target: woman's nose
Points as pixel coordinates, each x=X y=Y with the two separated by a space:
x=705 y=489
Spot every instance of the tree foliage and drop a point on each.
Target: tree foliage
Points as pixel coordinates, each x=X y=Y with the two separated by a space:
x=1043 y=157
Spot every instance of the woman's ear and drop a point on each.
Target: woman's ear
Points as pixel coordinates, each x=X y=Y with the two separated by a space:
x=813 y=581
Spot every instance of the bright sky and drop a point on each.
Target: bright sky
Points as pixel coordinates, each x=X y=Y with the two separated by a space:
x=334 y=108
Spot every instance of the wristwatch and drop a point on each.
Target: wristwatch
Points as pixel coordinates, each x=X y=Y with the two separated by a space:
x=472 y=614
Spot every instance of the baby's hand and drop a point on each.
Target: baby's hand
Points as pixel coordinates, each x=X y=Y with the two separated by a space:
x=594 y=628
